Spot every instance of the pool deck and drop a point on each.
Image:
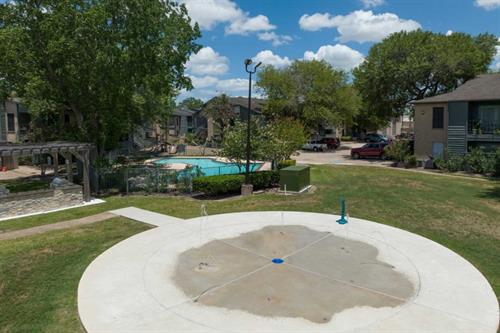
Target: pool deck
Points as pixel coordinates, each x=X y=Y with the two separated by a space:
x=131 y=287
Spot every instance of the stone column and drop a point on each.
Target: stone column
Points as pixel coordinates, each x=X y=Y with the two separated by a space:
x=69 y=166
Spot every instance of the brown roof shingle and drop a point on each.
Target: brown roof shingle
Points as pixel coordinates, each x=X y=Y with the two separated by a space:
x=485 y=87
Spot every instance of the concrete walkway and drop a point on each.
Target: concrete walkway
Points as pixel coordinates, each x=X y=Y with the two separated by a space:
x=56 y=226
x=146 y=216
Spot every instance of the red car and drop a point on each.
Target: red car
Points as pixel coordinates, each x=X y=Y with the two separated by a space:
x=332 y=143
x=372 y=150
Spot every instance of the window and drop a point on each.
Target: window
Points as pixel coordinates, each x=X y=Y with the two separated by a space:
x=11 y=126
x=437 y=117
x=437 y=149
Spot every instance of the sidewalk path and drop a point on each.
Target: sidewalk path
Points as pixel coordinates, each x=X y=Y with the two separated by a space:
x=146 y=216
x=57 y=226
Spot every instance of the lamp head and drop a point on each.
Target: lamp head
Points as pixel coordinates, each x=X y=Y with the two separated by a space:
x=248 y=62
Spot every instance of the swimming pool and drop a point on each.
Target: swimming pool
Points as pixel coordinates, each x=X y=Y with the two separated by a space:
x=209 y=166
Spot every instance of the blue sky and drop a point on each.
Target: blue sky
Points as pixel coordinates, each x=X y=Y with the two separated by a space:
x=337 y=31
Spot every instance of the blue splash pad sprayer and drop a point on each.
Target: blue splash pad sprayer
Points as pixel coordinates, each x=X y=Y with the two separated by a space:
x=342 y=219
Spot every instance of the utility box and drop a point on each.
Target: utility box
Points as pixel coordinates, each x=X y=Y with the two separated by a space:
x=296 y=178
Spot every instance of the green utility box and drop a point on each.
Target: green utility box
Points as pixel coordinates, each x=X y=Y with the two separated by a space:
x=296 y=178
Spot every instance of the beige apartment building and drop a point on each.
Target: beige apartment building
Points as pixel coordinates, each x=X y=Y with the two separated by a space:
x=460 y=120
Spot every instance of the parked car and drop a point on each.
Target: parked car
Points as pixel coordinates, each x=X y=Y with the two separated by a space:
x=331 y=143
x=314 y=146
x=375 y=137
x=372 y=150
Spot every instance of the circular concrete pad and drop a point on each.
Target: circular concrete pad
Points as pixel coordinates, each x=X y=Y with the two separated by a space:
x=217 y=274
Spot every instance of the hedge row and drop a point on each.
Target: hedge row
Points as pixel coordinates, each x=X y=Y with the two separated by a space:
x=230 y=184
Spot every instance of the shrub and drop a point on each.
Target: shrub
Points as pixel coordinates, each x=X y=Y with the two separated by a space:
x=397 y=151
x=346 y=138
x=411 y=161
x=264 y=179
x=496 y=167
x=450 y=162
x=230 y=184
x=477 y=161
x=216 y=185
x=286 y=164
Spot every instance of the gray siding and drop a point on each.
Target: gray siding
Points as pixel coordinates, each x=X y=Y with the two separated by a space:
x=3 y=130
x=457 y=127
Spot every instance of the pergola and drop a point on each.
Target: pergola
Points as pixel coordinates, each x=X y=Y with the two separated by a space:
x=80 y=150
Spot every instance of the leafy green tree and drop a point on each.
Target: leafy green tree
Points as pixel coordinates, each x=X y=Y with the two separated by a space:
x=274 y=142
x=408 y=66
x=282 y=138
x=192 y=103
x=108 y=64
x=233 y=146
x=312 y=92
x=221 y=113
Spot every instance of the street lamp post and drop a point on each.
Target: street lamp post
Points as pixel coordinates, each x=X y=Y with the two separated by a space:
x=250 y=72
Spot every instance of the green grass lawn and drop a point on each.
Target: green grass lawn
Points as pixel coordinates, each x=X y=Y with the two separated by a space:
x=39 y=275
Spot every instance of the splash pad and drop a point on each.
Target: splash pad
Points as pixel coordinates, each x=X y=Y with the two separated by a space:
x=283 y=271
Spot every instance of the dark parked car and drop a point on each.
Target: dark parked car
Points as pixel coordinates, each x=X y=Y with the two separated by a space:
x=375 y=137
x=372 y=150
x=331 y=143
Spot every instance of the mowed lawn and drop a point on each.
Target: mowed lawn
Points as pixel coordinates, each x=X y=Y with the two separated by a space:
x=39 y=274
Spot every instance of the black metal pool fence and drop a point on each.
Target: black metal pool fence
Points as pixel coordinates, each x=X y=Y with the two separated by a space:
x=152 y=179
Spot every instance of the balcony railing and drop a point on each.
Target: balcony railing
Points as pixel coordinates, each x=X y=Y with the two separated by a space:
x=484 y=128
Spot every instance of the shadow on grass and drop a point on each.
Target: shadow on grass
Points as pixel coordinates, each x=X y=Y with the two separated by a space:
x=492 y=193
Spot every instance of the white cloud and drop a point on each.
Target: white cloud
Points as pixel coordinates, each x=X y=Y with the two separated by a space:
x=246 y=25
x=209 y=13
x=276 y=39
x=232 y=86
x=339 y=56
x=316 y=21
x=208 y=62
x=359 y=26
x=372 y=3
x=206 y=87
x=203 y=81
x=496 y=60
x=449 y=33
x=267 y=57
x=488 y=4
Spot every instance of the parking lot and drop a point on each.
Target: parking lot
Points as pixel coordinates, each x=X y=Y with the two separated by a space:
x=337 y=156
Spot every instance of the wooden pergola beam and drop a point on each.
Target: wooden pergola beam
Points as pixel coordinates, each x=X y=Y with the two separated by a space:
x=80 y=150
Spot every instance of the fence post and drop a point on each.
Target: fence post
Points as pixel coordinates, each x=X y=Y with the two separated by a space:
x=157 y=180
x=126 y=180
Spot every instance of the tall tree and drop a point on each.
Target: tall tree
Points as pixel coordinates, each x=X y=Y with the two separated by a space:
x=312 y=92
x=408 y=66
x=109 y=64
x=220 y=111
x=192 y=103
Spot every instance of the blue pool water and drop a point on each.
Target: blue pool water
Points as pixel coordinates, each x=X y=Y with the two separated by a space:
x=209 y=166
